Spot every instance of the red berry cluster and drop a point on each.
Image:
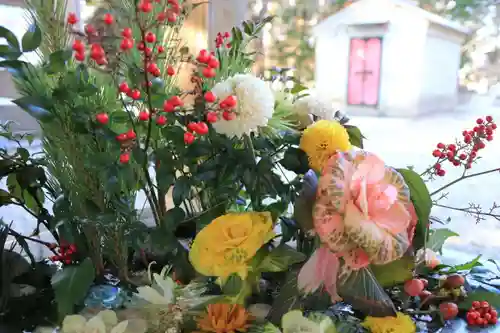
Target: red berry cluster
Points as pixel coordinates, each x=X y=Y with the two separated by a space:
x=209 y=63
x=66 y=253
x=481 y=314
x=221 y=39
x=464 y=153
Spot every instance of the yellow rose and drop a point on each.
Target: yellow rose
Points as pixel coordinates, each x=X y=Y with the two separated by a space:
x=401 y=324
x=229 y=242
x=323 y=139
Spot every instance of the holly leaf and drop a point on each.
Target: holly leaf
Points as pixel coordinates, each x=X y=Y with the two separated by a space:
x=395 y=272
x=421 y=199
x=281 y=258
x=438 y=237
x=71 y=285
x=32 y=38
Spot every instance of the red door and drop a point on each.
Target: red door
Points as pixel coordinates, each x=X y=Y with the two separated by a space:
x=364 y=71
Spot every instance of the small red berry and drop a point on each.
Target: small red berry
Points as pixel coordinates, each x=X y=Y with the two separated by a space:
x=143 y=115
x=485 y=304
x=437 y=153
x=468 y=139
x=102 y=118
x=161 y=17
x=101 y=61
x=479 y=121
x=131 y=134
x=126 y=44
x=452 y=147
x=168 y=106
x=489 y=119
x=494 y=126
x=493 y=320
x=123 y=87
x=152 y=67
x=227 y=115
x=108 y=18
x=176 y=101
x=72 y=18
x=493 y=313
x=441 y=172
x=213 y=63
x=170 y=71
x=476 y=304
x=210 y=97
x=161 y=120
x=201 y=128
x=141 y=46
x=150 y=37
x=448 y=310
x=127 y=33
x=124 y=158
x=413 y=287
x=148 y=51
x=121 y=137
x=78 y=46
x=212 y=117
x=440 y=145
x=192 y=126
x=462 y=156
x=135 y=94
x=171 y=16
x=209 y=72
x=145 y=6
x=489 y=138
x=203 y=56
x=161 y=49
x=188 y=138
x=481 y=145
x=80 y=56
x=230 y=102
x=437 y=166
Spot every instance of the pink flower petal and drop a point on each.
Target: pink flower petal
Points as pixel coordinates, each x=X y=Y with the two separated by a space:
x=395 y=220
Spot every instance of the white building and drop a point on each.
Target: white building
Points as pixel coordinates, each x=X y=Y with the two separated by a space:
x=389 y=57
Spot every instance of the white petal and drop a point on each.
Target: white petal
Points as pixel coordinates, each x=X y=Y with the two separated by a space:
x=167 y=285
x=73 y=323
x=120 y=328
x=152 y=296
x=108 y=317
x=295 y=322
x=95 y=325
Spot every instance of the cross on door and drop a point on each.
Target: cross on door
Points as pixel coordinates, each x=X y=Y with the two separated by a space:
x=364 y=74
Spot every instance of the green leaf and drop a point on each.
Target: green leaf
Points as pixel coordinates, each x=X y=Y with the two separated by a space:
x=32 y=39
x=297 y=87
x=464 y=267
x=23 y=153
x=421 y=199
x=181 y=190
x=58 y=60
x=277 y=208
x=438 y=237
x=281 y=258
x=71 y=285
x=233 y=285
x=10 y=38
x=16 y=65
x=35 y=107
x=288 y=299
x=490 y=297
x=172 y=218
x=394 y=273
x=7 y=52
x=355 y=136
x=295 y=160
x=121 y=117
x=248 y=27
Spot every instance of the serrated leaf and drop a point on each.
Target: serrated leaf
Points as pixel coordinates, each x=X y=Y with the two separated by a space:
x=438 y=237
x=281 y=258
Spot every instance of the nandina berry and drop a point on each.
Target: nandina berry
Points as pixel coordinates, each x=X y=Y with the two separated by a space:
x=72 y=18
x=479 y=121
x=101 y=61
x=468 y=139
x=161 y=17
x=108 y=19
x=126 y=44
x=437 y=153
x=437 y=166
x=208 y=72
x=212 y=117
x=230 y=102
x=489 y=138
x=452 y=147
x=188 y=138
x=121 y=137
x=213 y=63
x=131 y=134
x=170 y=71
x=481 y=145
x=176 y=101
x=203 y=56
x=156 y=72
x=171 y=16
x=441 y=172
x=462 y=156
x=145 y=6
x=489 y=119
x=80 y=56
x=123 y=87
x=124 y=158
x=96 y=52
x=152 y=67
x=448 y=310
x=150 y=37
x=476 y=304
x=78 y=46
x=147 y=84
x=160 y=49
x=192 y=126
x=127 y=33
x=102 y=118
x=148 y=51
x=440 y=145
x=168 y=106
x=201 y=128
x=135 y=94
x=143 y=115
x=494 y=126
x=210 y=97
x=141 y=46
x=227 y=115
x=161 y=120
x=485 y=304
x=413 y=287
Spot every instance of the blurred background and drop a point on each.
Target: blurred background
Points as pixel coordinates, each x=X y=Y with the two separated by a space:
x=410 y=74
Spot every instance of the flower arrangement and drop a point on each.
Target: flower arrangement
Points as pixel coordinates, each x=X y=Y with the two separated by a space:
x=261 y=222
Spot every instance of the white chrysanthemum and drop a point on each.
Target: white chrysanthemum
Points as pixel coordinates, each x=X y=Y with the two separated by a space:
x=316 y=104
x=255 y=104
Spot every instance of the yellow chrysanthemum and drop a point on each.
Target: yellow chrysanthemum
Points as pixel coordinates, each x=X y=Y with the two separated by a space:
x=229 y=242
x=400 y=324
x=323 y=139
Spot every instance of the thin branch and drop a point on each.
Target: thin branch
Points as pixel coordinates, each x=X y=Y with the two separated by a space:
x=463 y=177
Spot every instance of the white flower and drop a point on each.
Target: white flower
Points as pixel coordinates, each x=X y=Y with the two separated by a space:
x=316 y=104
x=255 y=104
x=153 y=296
x=105 y=321
x=295 y=322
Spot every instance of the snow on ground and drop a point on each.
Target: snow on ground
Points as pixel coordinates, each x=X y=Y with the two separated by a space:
x=402 y=142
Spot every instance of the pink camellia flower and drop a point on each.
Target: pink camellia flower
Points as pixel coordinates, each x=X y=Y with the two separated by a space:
x=362 y=214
